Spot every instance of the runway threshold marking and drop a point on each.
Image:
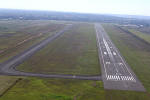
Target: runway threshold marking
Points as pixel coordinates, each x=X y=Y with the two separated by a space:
x=120 y=78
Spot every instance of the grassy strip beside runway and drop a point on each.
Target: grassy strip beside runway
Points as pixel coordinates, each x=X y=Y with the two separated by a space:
x=75 y=52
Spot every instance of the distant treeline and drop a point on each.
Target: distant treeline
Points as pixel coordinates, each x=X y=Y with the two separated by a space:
x=68 y=16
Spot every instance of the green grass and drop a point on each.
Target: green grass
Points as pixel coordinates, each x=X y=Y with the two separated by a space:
x=21 y=30
x=6 y=82
x=55 y=89
x=126 y=95
x=67 y=89
x=141 y=35
x=75 y=52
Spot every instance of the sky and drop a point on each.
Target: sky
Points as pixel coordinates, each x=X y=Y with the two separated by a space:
x=130 y=7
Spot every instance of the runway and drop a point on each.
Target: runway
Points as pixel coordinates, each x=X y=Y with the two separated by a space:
x=116 y=73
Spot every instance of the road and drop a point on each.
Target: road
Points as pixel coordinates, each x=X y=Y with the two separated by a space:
x=116 y=73
x=9 y=67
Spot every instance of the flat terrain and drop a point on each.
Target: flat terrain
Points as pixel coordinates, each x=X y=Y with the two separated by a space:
x=74 y=52
x=55 y=89
x=141 y=35
x=30 y=88
x=17 y=35
x=66 y=89
x=135 y=52
x=116 y=72
x=6 y=82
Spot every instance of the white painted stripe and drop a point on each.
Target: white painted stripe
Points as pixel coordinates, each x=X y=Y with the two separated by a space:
x=119 y=77
x=110 y=76
x=128 y=78
x=120 y=64
x=113 y=77
x=116 y=78
x=122 y=77
x=125 y=78
x=107 y=62
x=114 y=53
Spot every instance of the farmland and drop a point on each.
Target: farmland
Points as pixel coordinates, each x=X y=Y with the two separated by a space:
x=74 y=52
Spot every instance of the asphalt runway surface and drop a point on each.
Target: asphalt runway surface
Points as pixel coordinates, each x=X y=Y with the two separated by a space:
x=116 y=73
x=9 y=67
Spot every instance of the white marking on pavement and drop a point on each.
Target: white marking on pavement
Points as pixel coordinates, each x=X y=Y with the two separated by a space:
x=105 y=53
x=113 y=77
x=120 y=64
x=109 y=52
x=114 y=53
x=107 y=62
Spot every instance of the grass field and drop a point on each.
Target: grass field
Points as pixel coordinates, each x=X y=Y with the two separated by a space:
x=141 y=35
x=6 y=82
x=55 y=89
x=16 y=36
x=75 y=52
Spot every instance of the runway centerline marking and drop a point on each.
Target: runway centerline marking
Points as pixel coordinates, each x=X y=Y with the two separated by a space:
x=110 y=53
